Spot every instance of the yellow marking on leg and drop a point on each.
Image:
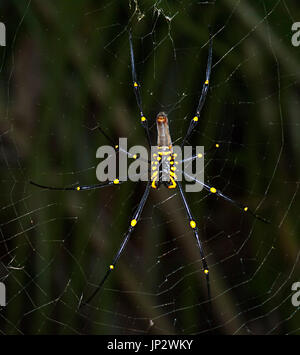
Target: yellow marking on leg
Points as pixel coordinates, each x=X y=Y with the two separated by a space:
x=217 y=145
x=193 y=224
x=200 y=155
x=135 y=84
x=196 y=118
x=245 y=208
x=111 y=267
x=206 y=271
x=116 y=181
x=143 y=118
x=133 y=222
x=206 y=82
x=213 y=190
x=78 y=188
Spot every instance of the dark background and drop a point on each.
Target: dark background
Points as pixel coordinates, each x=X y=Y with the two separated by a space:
x=65 y=69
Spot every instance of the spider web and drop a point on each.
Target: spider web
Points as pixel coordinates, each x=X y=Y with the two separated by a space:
x=64 y=70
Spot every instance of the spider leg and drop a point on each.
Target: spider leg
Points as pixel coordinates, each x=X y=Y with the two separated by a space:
x=193 y=225
x=205 y=87
x=136 y=87
x=216 y=192
x=78 y=187
x=200 y=155
x=135 y=218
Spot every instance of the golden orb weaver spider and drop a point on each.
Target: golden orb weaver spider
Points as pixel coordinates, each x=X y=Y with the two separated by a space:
x=164 y=144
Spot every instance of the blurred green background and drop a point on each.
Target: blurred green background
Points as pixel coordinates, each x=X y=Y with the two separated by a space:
x=65 y=69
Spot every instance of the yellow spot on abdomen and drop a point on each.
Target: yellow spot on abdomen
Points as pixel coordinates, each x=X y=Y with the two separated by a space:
x=143 y=118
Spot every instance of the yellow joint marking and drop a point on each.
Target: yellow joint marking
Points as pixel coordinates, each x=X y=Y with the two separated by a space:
x=200 y=155
x=196 y=118
x=206 y=82
x=246 y=209
x=172 y=174
x=213 y=190
x=133 y=222
x=143 y=118
x=193 y=224
x=206 y=271
x=217 y=145
x=154 y=168
x=111 y=267
x=173 y=183
x=173 y=168
x=153 y=183
x=116 y=146
x=116 y=181
x=159 y=158
x=171 y=162
x=78 y=188
x=135 y=84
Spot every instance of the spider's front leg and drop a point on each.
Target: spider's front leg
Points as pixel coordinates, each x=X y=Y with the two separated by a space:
x=204 y=92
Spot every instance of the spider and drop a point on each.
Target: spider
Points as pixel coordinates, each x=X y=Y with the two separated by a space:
x=164 y=145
